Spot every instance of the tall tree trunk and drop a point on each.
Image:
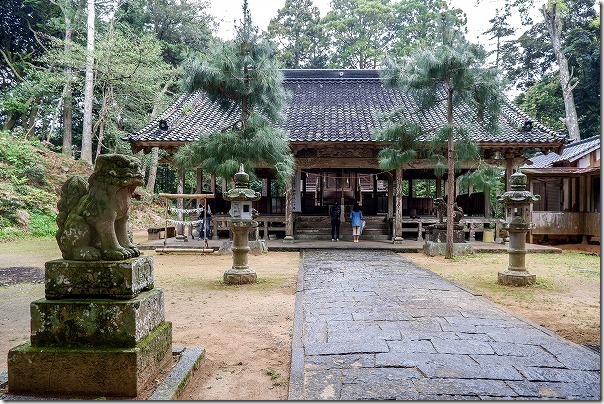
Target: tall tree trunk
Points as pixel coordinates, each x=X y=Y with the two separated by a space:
x=30 y=123
x=67 y=119
x=554 y=28
x=67 y=91
x=244 y=109
x=100 y=124
x=89 y=86
x=450 y=174
x=10 y=121
x=30 y=105
x=99 y=145
x=54 y=121
x=153 y=169
x=144 y=162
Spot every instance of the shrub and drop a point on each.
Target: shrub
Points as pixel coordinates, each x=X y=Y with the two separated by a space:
x=10 y=233
x=42 y=225
x=36 y=173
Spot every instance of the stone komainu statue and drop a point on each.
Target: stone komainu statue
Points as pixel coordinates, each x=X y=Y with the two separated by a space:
x=441 y=210
x=93 y=214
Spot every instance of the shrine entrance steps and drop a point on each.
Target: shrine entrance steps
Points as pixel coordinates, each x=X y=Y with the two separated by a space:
x=319 y=228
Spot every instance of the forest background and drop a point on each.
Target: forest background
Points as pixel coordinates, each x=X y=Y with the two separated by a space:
x=77 y=76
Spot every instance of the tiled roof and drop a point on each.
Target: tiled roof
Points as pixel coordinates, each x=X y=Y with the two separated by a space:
x=332 y=106
x=572 y=152
x=189 y=117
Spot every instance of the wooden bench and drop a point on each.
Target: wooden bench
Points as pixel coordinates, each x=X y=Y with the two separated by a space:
x=157 y=233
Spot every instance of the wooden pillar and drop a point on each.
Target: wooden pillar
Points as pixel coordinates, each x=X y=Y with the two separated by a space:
x=589 y=198
x=213 y=184
x=180 y=203
x=359 y=188
x=198 y=183
x=509 y=169
x=390 y=197
x=303 y=192
x=487 y=203
x=342 y=214
x=269 y=196
x=531 y=189
x=583 y=204
x=398 y=202
x=375 y=194
x=322 y=189
x=289 y=211
x=582 y=193
x=439 y=191
x=566 y=188
x=573 y=195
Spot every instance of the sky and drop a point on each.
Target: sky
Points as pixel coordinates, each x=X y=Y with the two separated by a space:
x=227 y=11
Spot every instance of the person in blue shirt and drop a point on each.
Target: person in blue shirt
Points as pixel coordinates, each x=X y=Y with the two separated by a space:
x=205 y=220
x=356 y=217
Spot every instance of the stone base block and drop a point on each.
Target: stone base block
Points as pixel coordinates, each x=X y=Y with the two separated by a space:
x=515 y=278
x=288 y=239
x=111 y=279
x=96 y=322
x=397 y=240
x=440 y=235
x=239 y=277
x=431 y=248
x=89 y=372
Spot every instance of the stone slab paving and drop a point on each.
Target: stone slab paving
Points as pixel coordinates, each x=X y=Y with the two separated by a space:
x=371 y=325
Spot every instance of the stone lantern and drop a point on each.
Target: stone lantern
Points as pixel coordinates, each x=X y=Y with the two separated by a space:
x=517 y=203
x=242 y=220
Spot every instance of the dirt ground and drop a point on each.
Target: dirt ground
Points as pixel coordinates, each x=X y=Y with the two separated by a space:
x=247 y=330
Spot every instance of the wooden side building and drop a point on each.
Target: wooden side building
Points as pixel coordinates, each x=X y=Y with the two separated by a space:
x=331 y=120
x=569 y=185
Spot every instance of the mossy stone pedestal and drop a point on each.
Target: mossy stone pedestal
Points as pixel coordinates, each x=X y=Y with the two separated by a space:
x=436 y=239
x=240 y=273
x=100 y=331
x=516 y=274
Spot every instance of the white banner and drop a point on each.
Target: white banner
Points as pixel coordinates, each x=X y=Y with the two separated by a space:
x=184 y=211
x=184 y=222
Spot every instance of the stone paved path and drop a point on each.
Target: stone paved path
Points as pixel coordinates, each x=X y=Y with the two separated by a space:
x=371 y=325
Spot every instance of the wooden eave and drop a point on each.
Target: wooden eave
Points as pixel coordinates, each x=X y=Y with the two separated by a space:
x=560 y=172
x=511 y=150
x=146 y=146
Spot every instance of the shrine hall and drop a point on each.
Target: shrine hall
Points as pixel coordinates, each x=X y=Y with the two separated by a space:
x=331 y=119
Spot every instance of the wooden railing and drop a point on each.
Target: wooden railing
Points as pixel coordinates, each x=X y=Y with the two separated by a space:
x=473 y=225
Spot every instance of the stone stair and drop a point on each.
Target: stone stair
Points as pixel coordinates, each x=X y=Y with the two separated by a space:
x=319 y=228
